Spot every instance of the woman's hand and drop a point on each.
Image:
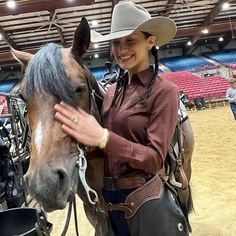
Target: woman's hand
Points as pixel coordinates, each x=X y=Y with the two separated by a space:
x=79 y=124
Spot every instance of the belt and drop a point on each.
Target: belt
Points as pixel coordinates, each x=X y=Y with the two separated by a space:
x=117 y=183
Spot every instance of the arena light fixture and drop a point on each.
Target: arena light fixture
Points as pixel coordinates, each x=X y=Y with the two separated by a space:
x=205 y=31
x=94 y=23
x=0 y=37
x=225 y=6
x=95 y=45
x=11 y=4
x=221 y=39
x=157 y=47
x=189 y=43
x=96 y=56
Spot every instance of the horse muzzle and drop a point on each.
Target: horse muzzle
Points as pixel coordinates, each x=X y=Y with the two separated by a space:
x=53 y=186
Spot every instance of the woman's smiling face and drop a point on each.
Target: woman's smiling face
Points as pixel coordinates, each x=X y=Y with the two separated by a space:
x=131 y=52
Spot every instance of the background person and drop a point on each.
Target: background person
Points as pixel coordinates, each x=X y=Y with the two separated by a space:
x=231 y=95
x=183 y=97
x=139 y=116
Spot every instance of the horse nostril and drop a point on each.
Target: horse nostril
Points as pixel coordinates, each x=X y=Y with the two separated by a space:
x=62 y=178
x=61 y=175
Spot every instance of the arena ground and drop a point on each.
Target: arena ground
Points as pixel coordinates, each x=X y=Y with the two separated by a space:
x=213 y=178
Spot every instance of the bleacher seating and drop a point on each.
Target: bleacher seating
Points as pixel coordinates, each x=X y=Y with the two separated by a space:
x=7 y=85
x=196 y=87
x=98 y=72
x=189 y=63
x=227 y=57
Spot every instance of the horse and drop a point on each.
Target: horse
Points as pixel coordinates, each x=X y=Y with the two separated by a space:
x=52 y=75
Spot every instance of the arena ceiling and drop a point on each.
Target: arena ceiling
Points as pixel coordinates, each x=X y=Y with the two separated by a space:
x=33 y=23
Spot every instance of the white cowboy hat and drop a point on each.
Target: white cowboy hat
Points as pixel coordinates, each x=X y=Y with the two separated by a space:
x=128 y=17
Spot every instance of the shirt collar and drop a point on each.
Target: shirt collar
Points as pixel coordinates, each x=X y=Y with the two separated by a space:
x=144 y=76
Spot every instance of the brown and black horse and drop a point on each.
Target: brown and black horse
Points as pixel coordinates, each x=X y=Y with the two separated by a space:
x=52 y=75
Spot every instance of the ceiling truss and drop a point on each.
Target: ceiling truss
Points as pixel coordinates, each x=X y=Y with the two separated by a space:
x=34 y=23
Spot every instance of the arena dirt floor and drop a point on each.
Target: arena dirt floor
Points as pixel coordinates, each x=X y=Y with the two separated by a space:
x=213 y=178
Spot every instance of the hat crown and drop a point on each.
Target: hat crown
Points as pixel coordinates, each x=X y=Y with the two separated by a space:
x=127 y=16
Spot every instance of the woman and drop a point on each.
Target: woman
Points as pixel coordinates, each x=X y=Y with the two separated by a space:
x=139 y=116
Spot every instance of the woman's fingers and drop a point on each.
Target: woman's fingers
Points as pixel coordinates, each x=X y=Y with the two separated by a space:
x=73 y=133
x=79 y=124
x=63 y=110
x=67 y=106
x=82 y=112
x=66 y=120
x=68 y=110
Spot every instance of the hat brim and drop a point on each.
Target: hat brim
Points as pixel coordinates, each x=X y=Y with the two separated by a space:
x=162 y=27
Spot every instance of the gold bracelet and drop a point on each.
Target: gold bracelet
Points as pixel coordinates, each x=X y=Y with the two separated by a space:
x=104 y=139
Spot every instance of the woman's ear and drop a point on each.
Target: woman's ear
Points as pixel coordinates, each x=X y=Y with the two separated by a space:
x=151 y=41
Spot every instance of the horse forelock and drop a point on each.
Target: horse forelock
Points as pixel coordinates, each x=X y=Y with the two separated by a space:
x=46 y=74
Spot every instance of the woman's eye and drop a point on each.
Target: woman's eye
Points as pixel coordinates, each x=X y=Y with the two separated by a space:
x=130 y=40
x=115 y=44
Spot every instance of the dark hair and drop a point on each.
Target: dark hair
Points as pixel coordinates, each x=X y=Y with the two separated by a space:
x=154 y=52
x=120 y=81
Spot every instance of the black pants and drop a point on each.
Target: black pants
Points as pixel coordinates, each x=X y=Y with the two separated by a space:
x=158 y=217
x=233 y=108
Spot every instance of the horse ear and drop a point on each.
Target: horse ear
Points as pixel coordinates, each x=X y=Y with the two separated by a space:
x=81 y=38
x=22 y=57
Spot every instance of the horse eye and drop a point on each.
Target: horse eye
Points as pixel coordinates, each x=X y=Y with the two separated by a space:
x=80 y=89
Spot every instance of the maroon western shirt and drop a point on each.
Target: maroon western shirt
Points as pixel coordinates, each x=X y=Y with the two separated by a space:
x=139 y=133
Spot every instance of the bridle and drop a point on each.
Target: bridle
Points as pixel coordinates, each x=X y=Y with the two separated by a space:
x=81 y=164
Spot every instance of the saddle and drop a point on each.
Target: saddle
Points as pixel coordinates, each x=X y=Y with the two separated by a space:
x=173 y=172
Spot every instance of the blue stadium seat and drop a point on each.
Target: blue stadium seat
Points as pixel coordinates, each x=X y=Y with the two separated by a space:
x=189 y=63
x=7 y=85
x=226 y=57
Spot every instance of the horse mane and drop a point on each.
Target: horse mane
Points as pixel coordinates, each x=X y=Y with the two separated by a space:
x=45 y=74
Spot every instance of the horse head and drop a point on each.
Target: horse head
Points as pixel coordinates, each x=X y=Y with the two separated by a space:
x=52 y=75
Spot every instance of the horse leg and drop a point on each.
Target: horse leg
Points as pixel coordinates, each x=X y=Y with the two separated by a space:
x=188 y=145
x=185 y=195
x=97 y=219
